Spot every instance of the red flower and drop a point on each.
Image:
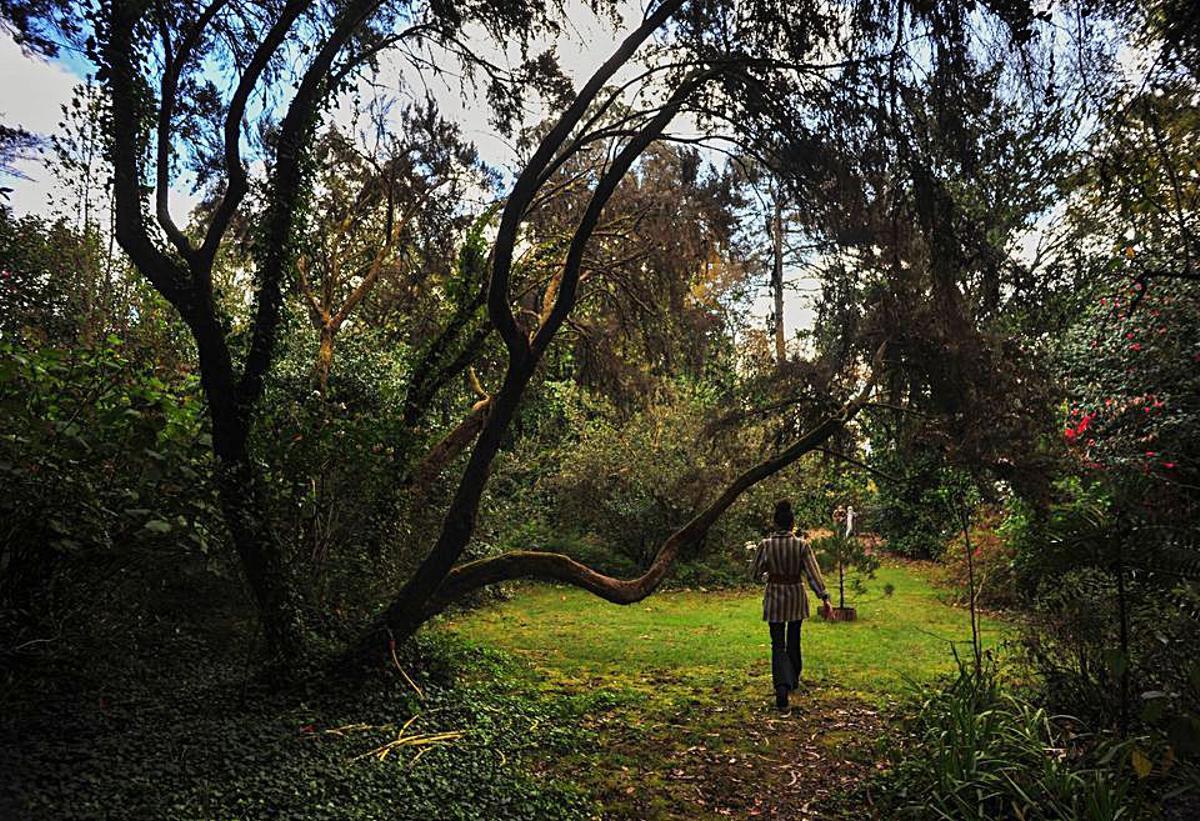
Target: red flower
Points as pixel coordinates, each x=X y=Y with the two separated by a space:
x=1074 y=432
x=1137 y=346
x=1168 y=465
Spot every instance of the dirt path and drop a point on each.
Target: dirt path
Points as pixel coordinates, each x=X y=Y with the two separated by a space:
x=695 y=759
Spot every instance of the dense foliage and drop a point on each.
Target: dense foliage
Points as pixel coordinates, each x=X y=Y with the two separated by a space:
x=975 y=750
x=368 y=379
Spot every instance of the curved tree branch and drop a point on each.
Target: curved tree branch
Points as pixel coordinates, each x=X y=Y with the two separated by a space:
x=526 y=186
x=558 y=567
x=237 y=184
x=567 y=283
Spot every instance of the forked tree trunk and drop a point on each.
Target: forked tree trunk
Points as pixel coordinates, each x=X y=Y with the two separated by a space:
x=183 y=275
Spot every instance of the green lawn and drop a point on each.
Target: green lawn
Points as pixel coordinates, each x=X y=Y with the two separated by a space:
x=691 y=731
x=719 y=636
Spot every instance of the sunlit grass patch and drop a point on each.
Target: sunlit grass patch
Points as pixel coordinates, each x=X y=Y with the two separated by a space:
x=718 y=638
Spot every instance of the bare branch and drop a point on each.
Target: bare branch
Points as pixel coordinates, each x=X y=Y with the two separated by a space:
x=368 y=282
x=318 y=314
x=616 y=172
x=447 y=449
x=852 y=461
x=168 y=91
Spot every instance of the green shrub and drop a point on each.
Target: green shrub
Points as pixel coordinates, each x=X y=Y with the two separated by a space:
x=333 y=466
x=106 y=473
x=912 y=514
x=846 y=565
x=975 y=749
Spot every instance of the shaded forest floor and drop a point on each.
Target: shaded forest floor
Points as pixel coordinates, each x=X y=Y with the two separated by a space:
x=694 y=732
x=552 y=704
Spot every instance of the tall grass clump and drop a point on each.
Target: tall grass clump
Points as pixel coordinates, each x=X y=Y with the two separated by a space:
x=975 y=748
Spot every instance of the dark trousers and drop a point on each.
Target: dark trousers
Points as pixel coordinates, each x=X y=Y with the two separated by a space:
x=786 y=661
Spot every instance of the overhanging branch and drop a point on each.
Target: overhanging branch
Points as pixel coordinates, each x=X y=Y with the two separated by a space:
x=559 y=567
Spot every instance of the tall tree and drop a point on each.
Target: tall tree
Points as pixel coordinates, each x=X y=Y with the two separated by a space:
x=156 y=63
x=384 y=215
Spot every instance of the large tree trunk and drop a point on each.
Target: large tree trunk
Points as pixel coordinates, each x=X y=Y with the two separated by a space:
x=324 y=361
x=244 y=505
x=183 y=275
x=241 y=491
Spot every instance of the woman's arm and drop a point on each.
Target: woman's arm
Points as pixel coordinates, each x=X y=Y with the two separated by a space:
x=758 y=565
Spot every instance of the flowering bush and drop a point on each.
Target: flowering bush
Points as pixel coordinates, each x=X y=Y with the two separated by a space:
x=1133 y=367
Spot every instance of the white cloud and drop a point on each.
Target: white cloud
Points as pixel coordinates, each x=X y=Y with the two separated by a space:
x=34 y=92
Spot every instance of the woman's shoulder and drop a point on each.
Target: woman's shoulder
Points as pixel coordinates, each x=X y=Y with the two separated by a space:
x=799 y=541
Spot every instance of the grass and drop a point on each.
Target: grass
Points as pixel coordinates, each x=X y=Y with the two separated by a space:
x=565 y=632
x=692 y=732
x=553 y=704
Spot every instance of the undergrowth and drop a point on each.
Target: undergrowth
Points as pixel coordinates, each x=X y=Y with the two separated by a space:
x=195 y=739
x=975 y=748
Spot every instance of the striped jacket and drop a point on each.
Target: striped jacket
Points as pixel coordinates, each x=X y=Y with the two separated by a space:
x=786 y=554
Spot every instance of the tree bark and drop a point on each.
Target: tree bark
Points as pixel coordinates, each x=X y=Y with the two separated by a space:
x=324 y=358
x=447 y=449
x=243 y=504
x=777 y=280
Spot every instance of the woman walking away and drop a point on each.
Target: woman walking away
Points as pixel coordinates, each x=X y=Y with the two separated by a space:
x=787 y=561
